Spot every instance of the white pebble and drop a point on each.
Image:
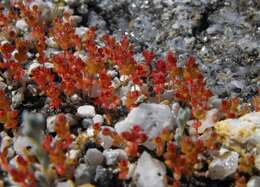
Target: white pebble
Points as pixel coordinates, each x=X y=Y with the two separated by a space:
x=86 y=111
x=21 y=25
x=98 y=119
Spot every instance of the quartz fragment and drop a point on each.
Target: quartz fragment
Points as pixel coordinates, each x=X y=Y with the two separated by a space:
x=152 y=118
x=149 y=172
x=224 y=165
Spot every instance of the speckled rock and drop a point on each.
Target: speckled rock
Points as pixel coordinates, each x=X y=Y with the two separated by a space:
x=94 y=157
x=244 y=129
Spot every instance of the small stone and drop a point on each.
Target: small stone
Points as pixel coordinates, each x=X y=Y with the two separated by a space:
x=68 y=183
x=116 y=83
x=257 y=162
x=74 y=154
x=75 y=98
x=106 y=141
x=6 y=141
x=175 y=108
x=225 y=165
x=104 y=177
x=94 y=157
x=254 y=181
x=149 y=172
x=124 y=78
x=17 y=98
x=134 y=88
x=86 y=111
x=32 y=89
x=83 y=9
x=114 y=155
x=71 y=119
x=87 y=122
x=69 y=10
x=51 y=120
x=46 y=8
x=81 y=31
x=21 y=25
x=51 y=43
x=48 y=65
x=84 y=174
x=32 y=66
x=82 y=55
x=112 y=73
x=3 y=86
x=24 y=144
x=75 y=20
x=98 y=119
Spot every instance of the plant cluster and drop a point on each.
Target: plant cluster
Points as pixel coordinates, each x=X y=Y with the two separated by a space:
x=82 y=76
x=21 y=174
x=8 y=116
x=56 y=149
